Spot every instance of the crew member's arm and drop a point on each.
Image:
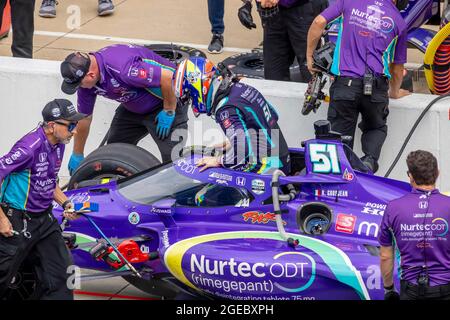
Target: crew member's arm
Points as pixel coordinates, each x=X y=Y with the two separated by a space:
x=80 y=138
x=397 y=71
x=385 y=238
x=396 y=68
x=146 y=75
x=318 y=26
x=86 y=102
x=65 y=203
x=15 y=161
x=314 y=33
x=150 y=75
x=387 y=265
x=167 y=90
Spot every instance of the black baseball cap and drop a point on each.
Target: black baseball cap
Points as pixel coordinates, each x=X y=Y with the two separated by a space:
x=73 y=69
x=61 y=109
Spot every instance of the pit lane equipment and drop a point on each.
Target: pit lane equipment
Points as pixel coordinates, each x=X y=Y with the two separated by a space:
x=322 y=60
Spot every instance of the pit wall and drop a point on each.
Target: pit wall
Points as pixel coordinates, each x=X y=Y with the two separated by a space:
x=27 y=85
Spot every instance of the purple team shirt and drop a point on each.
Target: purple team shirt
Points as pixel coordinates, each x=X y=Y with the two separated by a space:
x=372 y=33
x=29 y=171
x=409 y=220
x=129 y=74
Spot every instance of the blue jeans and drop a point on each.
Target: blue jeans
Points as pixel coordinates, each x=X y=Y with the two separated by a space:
x=215 y=14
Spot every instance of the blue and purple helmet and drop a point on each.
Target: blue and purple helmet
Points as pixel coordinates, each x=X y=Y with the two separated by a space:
x=194 y=78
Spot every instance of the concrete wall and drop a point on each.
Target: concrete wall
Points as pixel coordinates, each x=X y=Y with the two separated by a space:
x=26 y=85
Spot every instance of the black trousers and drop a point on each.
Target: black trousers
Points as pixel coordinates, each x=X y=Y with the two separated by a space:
x=130 y=127
x=45 y=247
x=22 y=20
x=409 y=291
x=285 y=37
x=347 y=101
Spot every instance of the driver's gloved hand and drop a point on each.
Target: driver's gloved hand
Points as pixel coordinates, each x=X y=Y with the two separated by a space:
x=245 y=15
x=390 y=293
x=74 y=162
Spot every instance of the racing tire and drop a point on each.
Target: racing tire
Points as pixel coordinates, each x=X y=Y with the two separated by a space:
x=113 y=161
x=251 y=65
x=175 y=53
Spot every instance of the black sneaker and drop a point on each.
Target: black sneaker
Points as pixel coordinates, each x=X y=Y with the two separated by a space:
x=370 y=163
x=105 y=7
x=216 y=45
x=48 y=9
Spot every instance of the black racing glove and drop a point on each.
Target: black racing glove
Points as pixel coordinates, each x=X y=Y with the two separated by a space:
x=245 y=15
x=390 y=293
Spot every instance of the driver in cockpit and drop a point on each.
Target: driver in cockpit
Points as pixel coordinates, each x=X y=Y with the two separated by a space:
x=255 y=142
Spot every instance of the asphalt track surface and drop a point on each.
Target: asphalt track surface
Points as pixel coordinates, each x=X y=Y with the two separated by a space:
x=78 y=28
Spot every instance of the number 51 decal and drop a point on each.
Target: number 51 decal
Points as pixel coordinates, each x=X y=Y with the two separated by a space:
x=324 y=158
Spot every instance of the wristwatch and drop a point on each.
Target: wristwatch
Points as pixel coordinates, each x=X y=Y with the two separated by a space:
x=170 y=112
x=65 y=203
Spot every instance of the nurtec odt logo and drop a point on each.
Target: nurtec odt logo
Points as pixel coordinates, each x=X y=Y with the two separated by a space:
x=287 y=271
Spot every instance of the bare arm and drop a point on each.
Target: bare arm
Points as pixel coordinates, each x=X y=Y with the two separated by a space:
x=59 y=196
x=387 y=265
x=314 y=34
x=396 y=71
x=168 y=94
x=5 y=225
x=82 y=134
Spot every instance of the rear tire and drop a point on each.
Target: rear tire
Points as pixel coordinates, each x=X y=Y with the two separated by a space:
x=113 y=161
x=251 y=65
x=175 y=53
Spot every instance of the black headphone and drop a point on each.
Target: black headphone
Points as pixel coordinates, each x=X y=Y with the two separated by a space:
x=401 y=4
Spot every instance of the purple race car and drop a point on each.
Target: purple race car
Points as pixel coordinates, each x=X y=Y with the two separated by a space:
x=225 y=234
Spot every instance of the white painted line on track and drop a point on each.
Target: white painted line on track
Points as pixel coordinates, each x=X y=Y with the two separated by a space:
x=127 y=40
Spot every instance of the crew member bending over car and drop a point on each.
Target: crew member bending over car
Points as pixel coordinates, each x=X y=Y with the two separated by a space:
x=254 y=140
x=28 y=229
x=416 y=225
x=367 y=65
x=141 y=81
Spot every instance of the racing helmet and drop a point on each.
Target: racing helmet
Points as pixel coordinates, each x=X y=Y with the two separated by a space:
x=197 y=79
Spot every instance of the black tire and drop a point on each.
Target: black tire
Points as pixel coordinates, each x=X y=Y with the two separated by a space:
x=116 y=160
x=251 y=65
x=175 y=53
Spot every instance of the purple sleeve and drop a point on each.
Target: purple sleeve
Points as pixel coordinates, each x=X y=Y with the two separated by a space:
x=142 y=74
x=15 y=160
x=385 y=236
x=86 y=100
x=401 y=48
x=232 y=125
x=333 y=11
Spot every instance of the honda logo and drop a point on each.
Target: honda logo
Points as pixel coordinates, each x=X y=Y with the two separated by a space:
x=240 y=181
x=423 y=204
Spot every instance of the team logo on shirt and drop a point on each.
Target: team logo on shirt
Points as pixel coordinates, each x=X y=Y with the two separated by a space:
x=42 y=156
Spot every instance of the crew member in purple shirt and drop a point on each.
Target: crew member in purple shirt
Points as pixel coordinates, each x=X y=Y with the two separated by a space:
x=367 y=65
x=28 y=177
x=141 y=81
x=416 y=227
x=286 y=23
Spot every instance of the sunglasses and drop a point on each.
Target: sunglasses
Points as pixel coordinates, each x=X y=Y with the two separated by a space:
x=70 y=126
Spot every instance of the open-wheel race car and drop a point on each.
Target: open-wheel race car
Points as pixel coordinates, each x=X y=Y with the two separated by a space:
x=173 y=231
